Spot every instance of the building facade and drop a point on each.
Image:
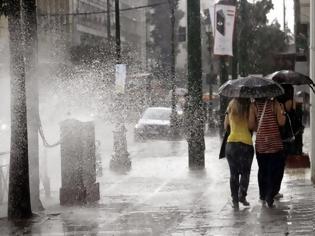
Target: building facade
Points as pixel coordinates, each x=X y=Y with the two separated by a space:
x=66 y=23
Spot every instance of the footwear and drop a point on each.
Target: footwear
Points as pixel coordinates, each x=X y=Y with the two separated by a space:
x=270 y=204
x=244 y=201
x=235 y=204
x=278 y=196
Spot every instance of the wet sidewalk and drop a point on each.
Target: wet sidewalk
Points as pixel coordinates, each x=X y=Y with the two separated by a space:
x=161 y=196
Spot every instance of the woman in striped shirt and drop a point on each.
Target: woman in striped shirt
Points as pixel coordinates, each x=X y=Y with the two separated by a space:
x=269 y=147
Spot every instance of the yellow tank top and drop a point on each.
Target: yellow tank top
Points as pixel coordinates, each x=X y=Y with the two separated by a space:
x=239 y=131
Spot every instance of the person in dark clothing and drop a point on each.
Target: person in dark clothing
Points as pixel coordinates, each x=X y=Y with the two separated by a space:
x=269 y=147
x=291 y=131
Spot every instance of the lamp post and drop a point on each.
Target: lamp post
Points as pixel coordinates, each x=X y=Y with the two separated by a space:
x=211 y=75
x=173 y=118
x=224 y=76
x=120 y=158
x=108 y=8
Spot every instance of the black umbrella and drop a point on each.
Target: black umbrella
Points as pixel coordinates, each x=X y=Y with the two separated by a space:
x=251 y=87
x=291 y=77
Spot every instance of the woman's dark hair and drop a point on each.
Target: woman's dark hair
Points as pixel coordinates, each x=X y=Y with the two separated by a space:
x=288 y=93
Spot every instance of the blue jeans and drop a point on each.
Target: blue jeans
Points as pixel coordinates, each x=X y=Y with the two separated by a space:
x=240 y=158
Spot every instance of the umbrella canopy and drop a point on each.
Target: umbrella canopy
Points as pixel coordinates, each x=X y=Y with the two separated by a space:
x=251 y=87
x=290 y=77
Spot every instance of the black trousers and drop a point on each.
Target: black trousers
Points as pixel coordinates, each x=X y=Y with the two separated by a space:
x=240 y=158
x=270 y=174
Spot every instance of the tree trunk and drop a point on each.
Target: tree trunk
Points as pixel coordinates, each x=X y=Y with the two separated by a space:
x=196 y=143
x=30 y=34
x=19 y=205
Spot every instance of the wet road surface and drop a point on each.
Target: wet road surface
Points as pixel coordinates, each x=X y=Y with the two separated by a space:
x=161 y=196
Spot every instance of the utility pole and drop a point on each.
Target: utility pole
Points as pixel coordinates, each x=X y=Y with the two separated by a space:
x=196 y=143
x=223 y=100
x=284 y=16
x=108 y=20
x=120 y=159
x=19 y=202
x=312 y=75
x=117 y=24
x=210 y=76
x=243 y=55
x=224 y=76
x=235 y=48
x=173 y=118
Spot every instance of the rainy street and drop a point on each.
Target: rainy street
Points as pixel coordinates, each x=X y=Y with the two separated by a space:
x=157 y=117
x=161 y=196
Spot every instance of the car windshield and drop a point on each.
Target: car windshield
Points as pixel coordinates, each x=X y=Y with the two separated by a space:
x=157 y=114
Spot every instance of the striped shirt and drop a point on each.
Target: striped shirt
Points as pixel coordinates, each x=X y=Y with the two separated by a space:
x=268 y=138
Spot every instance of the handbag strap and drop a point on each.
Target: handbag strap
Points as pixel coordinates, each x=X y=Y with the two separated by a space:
x=290 y=123
x=262 y=114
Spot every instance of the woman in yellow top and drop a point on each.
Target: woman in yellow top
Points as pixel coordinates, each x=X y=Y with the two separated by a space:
x=240 y=118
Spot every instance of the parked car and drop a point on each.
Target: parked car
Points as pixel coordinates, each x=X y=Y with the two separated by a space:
x=155 y=122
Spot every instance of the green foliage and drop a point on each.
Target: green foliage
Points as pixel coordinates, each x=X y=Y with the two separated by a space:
x=258 y=40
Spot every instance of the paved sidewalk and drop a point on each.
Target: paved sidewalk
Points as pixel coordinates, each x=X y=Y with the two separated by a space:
x=161 y=196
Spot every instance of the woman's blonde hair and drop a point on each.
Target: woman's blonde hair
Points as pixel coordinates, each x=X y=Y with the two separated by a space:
x=239 y=107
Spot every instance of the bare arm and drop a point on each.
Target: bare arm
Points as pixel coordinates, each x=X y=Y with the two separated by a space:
x=226 y=120
x=252 y=122
x=281 y=117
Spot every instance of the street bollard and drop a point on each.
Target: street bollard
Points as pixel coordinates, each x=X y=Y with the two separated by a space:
x=78 y=173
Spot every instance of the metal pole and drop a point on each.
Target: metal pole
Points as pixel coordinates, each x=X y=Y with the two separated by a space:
x=243 y=54
x=223 y=100
x=195 y=110
x=117 y=24
x=312 y=75
x=108 y=20
x=284 y=16
x=173 y=120
x=235 y=48
x=120 y=158
x=223 y=63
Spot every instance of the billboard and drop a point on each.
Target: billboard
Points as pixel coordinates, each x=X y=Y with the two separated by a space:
x=224 y=18
x=120 y=77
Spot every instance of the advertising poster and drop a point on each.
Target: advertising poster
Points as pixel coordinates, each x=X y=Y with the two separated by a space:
x=120 y=78
x=224 y=17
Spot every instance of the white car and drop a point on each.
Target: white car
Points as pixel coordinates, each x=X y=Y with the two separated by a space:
x=155 y=122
